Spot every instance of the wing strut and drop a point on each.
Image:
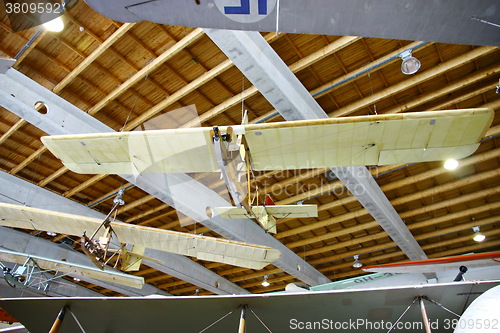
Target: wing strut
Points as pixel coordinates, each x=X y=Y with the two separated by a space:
x=97 y=249
x=223 y=157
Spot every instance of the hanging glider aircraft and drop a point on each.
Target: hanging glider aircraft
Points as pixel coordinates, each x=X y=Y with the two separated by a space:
x=232 y=150
x=97 y=246
x=472 y=22
x=32 y=271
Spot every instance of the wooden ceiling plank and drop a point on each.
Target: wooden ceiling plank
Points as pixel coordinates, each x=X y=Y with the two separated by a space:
x=176 y=96
x=318 y=55
x=461 y=226
x=415 y=80
x=460 y=240
x=84 y=185
x=93 y=56
x=474 y=159
x=53 y=176
x=324 y=52
x=28 y=160
x=12 y=129
x=448 y=89
x=452 y=202
x=414 y=226
x=152 y=66
x=435 y=190
x=378 y=64
x=135 y=203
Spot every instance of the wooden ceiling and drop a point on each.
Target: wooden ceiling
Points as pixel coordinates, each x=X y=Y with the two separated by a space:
x=126 y=74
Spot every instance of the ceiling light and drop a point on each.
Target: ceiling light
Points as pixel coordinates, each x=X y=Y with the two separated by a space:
x=478 y=236
x=56 y=25
x=451 y=164
x=265 y=283
x=357 y=263
x=410 y=64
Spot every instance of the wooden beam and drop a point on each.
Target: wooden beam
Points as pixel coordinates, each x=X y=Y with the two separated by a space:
x=12 y=129
x=152 y=66
x=84 y=185
x=93 y=56
x=53 y=176
x=28 y=160
x=184 y=91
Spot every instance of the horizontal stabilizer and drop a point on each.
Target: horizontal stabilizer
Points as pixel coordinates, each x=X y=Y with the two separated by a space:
x=278 y=211
x=132 y=259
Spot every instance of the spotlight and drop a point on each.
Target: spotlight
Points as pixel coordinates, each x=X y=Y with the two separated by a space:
x=357 y=263
x=478 y=236
x=451 y=164
x=410 y=64
x=265 y=283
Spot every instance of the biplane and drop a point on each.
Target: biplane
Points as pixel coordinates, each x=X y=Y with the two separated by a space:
x=377 y=302
x=244 y=149
x=31 y=271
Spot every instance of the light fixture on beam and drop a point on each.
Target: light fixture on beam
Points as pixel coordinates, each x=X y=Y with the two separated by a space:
x=410 y=64
x=357 y=263
x=478 y=236
x=265 y=283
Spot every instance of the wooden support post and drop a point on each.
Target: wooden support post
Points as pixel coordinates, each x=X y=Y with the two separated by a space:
x=57 y=323
x=242 y=320
x=424 y=316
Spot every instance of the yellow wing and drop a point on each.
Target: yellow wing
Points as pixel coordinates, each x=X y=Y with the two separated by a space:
x=322 y=143
x=201 y=247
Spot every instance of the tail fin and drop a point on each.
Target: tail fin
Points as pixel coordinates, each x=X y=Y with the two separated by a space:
x=269 y=201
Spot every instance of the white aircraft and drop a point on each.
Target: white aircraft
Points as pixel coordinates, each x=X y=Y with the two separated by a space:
x=236 y=150
x=97 y=246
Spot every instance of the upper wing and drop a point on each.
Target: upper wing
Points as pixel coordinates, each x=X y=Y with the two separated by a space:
x=368 y=140
x=172 y=150
x=438 y=264
x=67 y=267
x=201 y=247
x=322 y=143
